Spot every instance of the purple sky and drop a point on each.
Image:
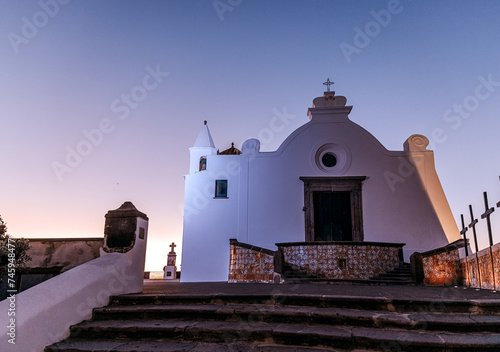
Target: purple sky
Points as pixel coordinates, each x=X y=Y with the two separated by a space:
x=145 y=74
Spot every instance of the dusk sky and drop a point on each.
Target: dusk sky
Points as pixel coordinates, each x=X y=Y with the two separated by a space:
x=100 y=100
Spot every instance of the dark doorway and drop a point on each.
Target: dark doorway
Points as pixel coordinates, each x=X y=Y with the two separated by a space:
x=332 y=216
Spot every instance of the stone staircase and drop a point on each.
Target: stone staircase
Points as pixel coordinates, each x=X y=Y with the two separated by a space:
x=285 y=322
x=400 y=275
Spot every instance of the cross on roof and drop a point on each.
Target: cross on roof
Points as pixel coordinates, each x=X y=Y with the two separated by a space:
x=172 y=246
x=328 y=84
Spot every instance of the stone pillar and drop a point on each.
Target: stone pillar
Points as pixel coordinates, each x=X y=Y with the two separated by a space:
x=170 y=270
x=125 y=232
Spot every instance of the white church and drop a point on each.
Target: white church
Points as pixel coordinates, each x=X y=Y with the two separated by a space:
x=329 y=181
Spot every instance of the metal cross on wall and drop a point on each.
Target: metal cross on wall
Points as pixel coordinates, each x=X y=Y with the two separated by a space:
x=472 y=226
x=486 y=215
x=463 y=232
x=328 y=84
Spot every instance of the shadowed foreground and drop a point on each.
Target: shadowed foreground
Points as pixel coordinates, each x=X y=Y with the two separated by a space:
x=175 y=317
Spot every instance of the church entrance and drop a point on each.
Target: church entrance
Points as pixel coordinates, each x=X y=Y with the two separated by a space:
x=333 y=208
x=332 y=216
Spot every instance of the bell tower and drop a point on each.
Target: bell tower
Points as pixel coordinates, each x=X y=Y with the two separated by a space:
x=202 y=148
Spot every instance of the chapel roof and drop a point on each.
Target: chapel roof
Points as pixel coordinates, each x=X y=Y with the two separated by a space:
x=231 y=151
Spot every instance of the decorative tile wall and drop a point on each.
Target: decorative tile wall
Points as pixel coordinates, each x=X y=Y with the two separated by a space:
x=250 y=264
x=359 y=261
x=442 y=268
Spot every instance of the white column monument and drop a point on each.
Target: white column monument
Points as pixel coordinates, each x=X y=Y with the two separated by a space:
x=170 y=270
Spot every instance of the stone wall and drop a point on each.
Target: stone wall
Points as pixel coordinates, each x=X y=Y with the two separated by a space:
x=442 y=265
x=341 y=260
x=488 y=275
x=250 y=263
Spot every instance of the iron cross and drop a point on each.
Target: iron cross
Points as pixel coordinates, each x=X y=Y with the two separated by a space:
x=172 y=246
x=486 y=215
x=472 y=226
x=328 y=84
x=463 y=232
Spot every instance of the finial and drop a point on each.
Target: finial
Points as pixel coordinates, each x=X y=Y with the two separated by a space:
x=328 y=84
x=205 y=122
x=232 y=144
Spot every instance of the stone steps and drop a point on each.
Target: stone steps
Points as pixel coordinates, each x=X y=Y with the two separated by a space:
x=164 y=345
x=305 y=315
x=285 y=322
x=398 y=276
x=404 y=305
x=347 y=337
x=372 y=281
x=402 y=275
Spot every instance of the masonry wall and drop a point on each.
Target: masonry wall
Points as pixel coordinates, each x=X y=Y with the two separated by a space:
x=362 y=260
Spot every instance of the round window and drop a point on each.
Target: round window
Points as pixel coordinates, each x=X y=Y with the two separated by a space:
x=329 y=160
x=332 y=158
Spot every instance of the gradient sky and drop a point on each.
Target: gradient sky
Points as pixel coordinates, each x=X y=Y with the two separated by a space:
x=66 y=70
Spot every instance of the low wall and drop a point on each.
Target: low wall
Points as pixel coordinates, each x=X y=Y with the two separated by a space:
x=441 y=266
x=488 y=275
x=250 y=263
x=342 y=260
x=66 y=253
x=50 y=257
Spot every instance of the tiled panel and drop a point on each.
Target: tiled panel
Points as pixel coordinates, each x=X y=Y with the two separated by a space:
x=442 y=268
x=325 y=261
x=247 y=265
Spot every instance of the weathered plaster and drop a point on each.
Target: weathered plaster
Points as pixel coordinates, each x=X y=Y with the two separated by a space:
x=62 y=252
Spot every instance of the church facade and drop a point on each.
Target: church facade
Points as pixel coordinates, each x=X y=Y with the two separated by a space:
x=330 y=180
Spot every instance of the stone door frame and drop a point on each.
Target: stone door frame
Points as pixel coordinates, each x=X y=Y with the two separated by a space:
x=352 y=184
